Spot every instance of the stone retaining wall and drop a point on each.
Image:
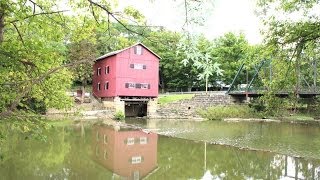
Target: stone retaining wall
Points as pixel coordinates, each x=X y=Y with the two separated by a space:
x=188 y=108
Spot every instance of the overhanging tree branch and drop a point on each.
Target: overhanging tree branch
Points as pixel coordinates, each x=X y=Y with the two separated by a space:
x=114 y=17
x=38 y=14
x=19 y=33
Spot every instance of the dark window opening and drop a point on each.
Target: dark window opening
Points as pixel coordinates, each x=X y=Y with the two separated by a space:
x=138 y=86
x=130 y=85
x=98 y=87
x=107 y=70
x=106 y=86
x=99 y=71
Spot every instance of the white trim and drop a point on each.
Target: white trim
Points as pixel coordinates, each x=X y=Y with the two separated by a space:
x=136 y=160
x=119 y=51
x=143 y=140
x=130 y=141
x=98 y=86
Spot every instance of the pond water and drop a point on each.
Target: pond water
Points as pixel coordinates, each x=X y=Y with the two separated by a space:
x=86 y=151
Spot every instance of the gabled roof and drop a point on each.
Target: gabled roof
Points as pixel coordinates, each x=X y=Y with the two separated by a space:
x=119 y=51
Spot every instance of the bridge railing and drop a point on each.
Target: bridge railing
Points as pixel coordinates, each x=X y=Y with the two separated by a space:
x=303 y=90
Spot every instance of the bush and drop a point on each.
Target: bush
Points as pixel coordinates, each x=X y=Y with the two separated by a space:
x=232 y=111
x=119 y=116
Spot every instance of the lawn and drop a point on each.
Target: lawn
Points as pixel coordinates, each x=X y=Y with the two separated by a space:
x=165 y=99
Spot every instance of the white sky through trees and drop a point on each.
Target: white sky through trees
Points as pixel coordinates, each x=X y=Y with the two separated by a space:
x=222 y=17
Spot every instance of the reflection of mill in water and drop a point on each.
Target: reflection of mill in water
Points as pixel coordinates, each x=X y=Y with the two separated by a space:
x=129 y=154
x=293 y=169
x=278 y=166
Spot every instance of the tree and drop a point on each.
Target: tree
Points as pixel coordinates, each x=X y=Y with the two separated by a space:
x=32 y=50
x=231 y=51
x=85 y=52
x=201 y=60
x=33 y=40
x=208 y=67
x=292 y=37
x=173 y=75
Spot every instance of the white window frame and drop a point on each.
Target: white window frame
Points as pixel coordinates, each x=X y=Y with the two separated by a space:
x=105 y=154
x=130 y=141
x=99 y=71
x=143 y=140
x=98 y=86
x=136 y=175
x=105 y=139
x=138 y=66
x=136 y=159
x=138 y=50
x=97 y=136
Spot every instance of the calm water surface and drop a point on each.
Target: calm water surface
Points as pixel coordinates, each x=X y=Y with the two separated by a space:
x=86 y=151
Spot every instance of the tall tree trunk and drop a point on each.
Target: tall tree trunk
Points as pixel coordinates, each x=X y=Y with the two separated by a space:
x=206 y=84
x=2 y=14
x=297 y=74
x=83 y=90
x=162 y=90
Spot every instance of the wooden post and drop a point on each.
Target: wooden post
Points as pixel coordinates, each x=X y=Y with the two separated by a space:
x=247 y=87
x=207 y=85
x=205 y=156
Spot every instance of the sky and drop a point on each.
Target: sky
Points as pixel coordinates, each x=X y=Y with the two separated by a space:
x=222 y=16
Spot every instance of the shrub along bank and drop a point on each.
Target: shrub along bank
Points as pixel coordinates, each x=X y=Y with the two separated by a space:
x=280 y=109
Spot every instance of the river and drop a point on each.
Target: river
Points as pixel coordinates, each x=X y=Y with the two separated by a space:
x=158 y=149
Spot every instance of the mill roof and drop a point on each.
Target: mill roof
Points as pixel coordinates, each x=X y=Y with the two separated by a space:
x=121 y=50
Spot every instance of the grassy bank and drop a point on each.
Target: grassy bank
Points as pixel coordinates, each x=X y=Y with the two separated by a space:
x=244 y=111
x=298 y=117
x=232 y=111
x=165 y=99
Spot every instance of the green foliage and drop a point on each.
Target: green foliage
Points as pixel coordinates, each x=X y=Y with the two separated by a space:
x=189 y=45
x=232 y=111
x=292 y=42
x=165 y=99
x=30 y=126
x=274 y=106
x=119 y=115
x=173 y=75
x=31 y=52
x=85 y=52
x=231 y=51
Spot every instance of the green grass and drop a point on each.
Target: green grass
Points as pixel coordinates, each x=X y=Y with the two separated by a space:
x=232 y=111
x=165 y=99
x=299 y=117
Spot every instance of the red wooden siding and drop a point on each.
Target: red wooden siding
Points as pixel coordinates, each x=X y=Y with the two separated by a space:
x=128 y=67
x=103 y=78
x=112 y=151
